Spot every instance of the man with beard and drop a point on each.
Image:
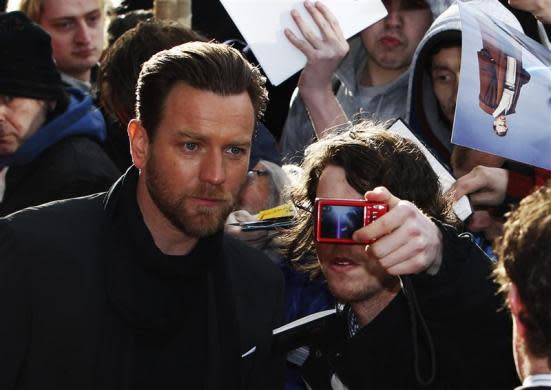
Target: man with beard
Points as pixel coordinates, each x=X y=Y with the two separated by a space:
x=416 y=306
x=138 y=287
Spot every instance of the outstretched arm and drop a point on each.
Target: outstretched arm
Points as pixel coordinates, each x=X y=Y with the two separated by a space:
x=323 y=56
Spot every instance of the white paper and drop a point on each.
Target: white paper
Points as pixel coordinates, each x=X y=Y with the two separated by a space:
x=262 y=22
x=462 y=207
x=304 y=320
x=488 y=31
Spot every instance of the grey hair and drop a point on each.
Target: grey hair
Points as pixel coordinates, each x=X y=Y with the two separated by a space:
x=278 y=181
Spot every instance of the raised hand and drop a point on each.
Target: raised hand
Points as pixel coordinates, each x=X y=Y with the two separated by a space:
x=323 y=56
x=541 y=9
x=486 y=186
x=407 y=241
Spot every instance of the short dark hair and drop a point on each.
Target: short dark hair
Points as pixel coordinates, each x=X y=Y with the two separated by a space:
x=444 y=40
x=206 y=66
x=524 y=259
x=121 y=23
x=121 y=63
x=370 y=156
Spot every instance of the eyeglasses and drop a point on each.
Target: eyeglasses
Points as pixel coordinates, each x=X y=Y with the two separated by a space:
x=257 y=172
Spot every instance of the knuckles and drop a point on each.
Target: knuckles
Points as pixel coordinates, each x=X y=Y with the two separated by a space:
x=420 y=244
x=406 y=209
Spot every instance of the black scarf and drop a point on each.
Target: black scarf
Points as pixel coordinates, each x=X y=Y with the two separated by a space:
x=137 y=287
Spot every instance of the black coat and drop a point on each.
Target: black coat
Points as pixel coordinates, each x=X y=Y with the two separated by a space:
x=471 y=338
x=63 y=267
x=74 y=166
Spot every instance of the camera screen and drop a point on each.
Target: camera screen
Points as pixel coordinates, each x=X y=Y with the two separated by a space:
x=339 y=222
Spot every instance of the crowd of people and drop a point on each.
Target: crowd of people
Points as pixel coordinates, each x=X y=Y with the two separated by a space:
x=135 y=167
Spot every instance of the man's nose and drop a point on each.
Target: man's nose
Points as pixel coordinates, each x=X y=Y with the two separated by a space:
x=83 y=34
x=395 y=17
x=3 y=111
x=213 y=169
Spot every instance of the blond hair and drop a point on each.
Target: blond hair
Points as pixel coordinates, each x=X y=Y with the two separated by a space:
x=34 y=8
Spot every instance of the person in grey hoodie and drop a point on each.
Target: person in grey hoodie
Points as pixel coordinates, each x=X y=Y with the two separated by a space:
x=365 y=77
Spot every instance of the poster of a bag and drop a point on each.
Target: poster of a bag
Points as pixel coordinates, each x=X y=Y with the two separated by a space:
x=504 y=98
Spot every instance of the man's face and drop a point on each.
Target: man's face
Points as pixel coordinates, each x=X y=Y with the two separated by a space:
x=445 y=67
x=351 y=275
x=198 y=159
x=76 y=28
x=256 y=194
x=19 y=119
x=500 y=125
x=391 y=42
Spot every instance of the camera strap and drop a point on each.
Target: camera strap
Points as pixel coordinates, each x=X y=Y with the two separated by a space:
x=415 y=314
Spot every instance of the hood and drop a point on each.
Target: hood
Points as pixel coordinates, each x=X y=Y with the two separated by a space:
x=423 y=113
x=80 y=118
x=437 y=7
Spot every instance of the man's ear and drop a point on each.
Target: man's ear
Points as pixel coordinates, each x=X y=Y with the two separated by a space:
x=139 y=143
x=517 y=307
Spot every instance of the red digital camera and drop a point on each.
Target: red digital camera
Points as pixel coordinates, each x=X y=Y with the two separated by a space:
x=337 y=219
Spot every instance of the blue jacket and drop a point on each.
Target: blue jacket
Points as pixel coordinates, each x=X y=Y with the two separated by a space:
x=63 y=159
x=80 y=118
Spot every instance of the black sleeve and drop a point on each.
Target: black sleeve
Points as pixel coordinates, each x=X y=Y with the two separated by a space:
x=15 y=309
x=463 y=278
x=463 y=299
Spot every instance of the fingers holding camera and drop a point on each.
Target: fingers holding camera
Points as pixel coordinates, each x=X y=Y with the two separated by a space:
x=420 y=252
x=407 y=241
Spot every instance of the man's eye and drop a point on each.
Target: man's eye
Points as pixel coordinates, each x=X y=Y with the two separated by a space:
x=6 y=99
x=190 y=146
x=236 y=150
x=92 y=20
x=442 y=77
x=64 y=25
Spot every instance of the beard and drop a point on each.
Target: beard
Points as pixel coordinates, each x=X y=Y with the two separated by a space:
x=350 y=292
x=193 y=221
x=362 y=286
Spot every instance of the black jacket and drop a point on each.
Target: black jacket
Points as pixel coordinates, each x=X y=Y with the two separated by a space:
x=64 y=271
x=472 y=340
x=74 y=166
